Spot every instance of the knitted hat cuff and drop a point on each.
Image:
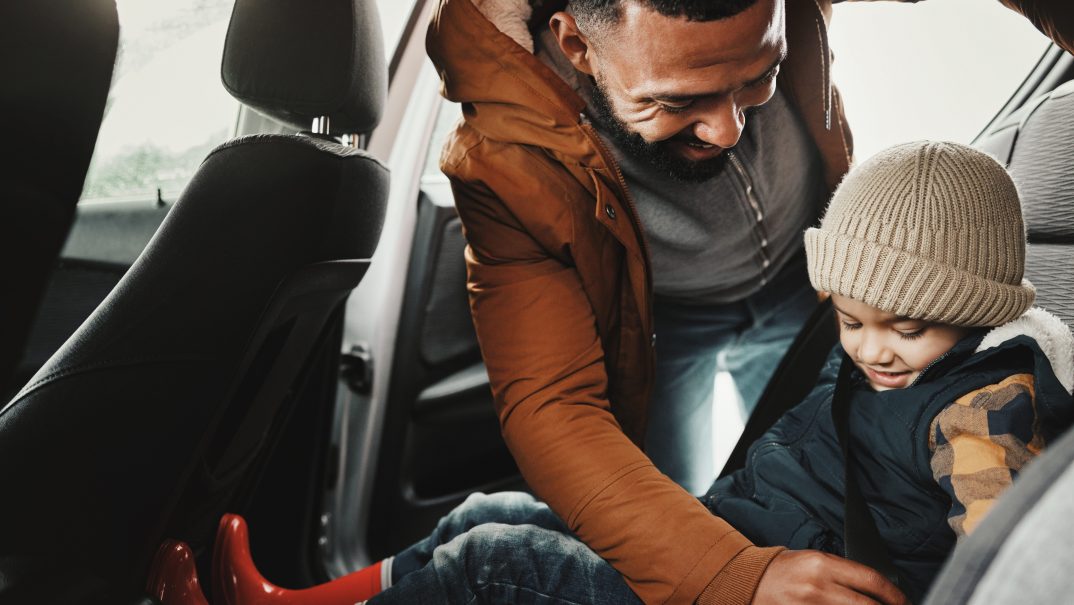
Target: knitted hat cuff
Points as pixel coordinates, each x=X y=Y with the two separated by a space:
x=911 y=286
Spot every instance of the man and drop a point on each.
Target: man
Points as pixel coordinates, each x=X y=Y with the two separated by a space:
x=617 y=244
x=722 y=227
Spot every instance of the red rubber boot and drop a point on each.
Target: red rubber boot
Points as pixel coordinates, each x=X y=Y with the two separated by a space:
x=173 y=579
x=236 y=580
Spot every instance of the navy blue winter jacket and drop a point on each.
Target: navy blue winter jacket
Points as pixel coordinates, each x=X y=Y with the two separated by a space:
x=790 y=492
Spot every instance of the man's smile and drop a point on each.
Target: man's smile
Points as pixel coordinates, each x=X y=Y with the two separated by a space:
x=694 y=149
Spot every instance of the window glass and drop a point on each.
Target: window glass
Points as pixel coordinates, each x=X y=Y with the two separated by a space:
x=394 y=15
x=447 y=115
x=166 y=109
x=937 y=70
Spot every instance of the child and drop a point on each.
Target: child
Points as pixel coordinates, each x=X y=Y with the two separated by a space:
x=956 y=384
x=922 y=250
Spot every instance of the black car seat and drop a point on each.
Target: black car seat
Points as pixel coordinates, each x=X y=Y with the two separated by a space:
x=1036 y=141
x=150 y=421
x=56 y=59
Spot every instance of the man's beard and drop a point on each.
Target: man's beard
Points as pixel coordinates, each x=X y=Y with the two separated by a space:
x=655 y=154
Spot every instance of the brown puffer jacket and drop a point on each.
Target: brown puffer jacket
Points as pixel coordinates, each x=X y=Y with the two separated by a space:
x=561 y=295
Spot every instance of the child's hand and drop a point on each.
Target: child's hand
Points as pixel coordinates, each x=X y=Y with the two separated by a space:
x=810 y=576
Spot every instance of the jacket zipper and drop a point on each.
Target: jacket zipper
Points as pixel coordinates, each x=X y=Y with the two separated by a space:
x=929 y=367
x=646 y=262
x=610 y=161
x=758 y=212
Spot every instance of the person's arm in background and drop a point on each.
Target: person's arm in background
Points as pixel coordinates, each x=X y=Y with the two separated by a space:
x=545 y=360
x=1054 y=18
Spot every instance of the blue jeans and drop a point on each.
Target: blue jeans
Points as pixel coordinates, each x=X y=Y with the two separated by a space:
x=746 y=338
x=503 y=548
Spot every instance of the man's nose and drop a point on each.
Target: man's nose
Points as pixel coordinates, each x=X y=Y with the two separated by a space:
x=721 y=125
x=873 y=350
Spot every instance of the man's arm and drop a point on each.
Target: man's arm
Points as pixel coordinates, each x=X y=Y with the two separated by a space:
x=545 y=360
x=1054 y=18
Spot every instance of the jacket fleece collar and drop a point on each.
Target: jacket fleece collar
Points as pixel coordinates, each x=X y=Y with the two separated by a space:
x=1049 y=332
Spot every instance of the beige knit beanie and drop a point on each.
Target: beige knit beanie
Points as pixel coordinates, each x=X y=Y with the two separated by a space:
x=926 y=230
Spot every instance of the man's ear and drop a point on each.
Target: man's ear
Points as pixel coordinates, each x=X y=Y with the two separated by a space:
x=575 y=46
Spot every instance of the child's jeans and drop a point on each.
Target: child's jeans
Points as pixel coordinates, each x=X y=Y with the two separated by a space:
x=503 y=548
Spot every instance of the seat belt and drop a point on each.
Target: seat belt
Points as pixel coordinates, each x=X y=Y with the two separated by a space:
x=861 y=538
x=790 y=383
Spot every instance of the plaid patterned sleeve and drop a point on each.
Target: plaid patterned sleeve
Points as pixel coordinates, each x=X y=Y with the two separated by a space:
x=979 y=444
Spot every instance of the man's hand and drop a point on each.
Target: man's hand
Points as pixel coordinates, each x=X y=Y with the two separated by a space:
x=810 y=576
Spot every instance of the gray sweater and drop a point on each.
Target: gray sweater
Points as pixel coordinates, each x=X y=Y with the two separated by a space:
x=723 y=239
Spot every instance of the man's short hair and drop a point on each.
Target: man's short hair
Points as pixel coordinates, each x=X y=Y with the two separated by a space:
x=592 y=14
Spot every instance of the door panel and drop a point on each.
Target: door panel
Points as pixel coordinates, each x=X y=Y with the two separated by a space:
x=442 y=439
x=447 y=332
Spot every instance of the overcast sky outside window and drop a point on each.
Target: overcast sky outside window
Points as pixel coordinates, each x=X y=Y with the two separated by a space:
x=938 y=69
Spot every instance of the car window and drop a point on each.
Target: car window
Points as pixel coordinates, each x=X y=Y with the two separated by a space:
x=167 y=108
x=447 y=115
x=937 y=70
x=394 y=15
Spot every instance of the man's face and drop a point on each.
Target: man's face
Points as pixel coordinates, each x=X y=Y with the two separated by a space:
x=675 y=92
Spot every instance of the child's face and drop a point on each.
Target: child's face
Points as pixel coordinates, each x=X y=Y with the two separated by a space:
x=890 y=350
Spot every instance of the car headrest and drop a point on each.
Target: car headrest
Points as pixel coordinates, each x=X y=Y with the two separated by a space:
x=1035 y=143
x=295 y=60
x=1042 y=165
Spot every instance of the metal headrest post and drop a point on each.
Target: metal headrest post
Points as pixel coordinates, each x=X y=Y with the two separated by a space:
x=322 y=126
x=357 y=141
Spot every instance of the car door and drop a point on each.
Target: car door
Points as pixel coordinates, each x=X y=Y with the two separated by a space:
x=414 y=430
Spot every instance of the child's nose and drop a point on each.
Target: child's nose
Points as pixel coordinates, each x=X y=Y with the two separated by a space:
x=874 y=350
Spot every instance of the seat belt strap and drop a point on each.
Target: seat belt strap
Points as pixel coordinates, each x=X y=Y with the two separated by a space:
x=790 y=383
x=861 y=538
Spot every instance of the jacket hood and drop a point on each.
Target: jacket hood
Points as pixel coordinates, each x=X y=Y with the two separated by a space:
x=511 y=17
x=483 y=52
x=1051 y=335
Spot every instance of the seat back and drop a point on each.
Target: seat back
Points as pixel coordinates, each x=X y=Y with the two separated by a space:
x=56 y=59
x=154 y=417
x=1036 y=144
